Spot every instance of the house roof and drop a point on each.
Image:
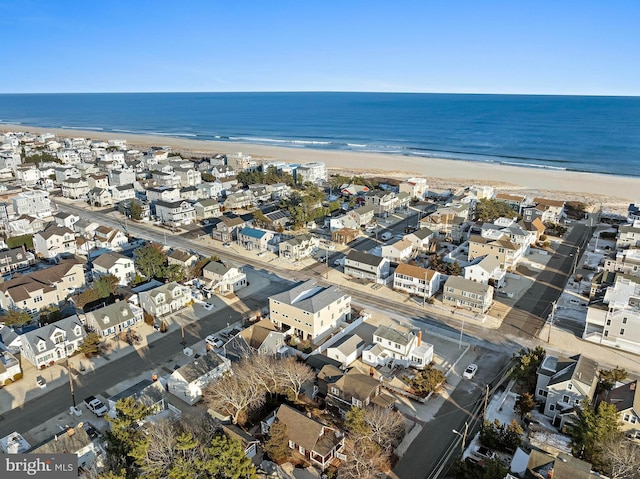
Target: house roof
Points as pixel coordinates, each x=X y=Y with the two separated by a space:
x=217 y=267
x=415 y=271
x=625 y=397
x=395 y=334
x=319 y=361
x=256 y=334
x=200 y=367
x=45 y=332
x=548 y=203
x=111 y=315
x=576 y=369
x=69 y=442
x=463 y=284
x=109 y=259
x=357 y=385
x=20 y=287
x=422 y=233
x=365 y=258
x=348 y=343
x=278 y=215
x=207 y=202
x=299 y=239
x=542 y=465
x=180 y=255
x=402 y=245
x=306 y=432
x=54 y=230
x=253 y=232
x=308 y=296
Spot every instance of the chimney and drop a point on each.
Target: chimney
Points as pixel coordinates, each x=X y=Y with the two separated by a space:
x=70 y=432
x=419 y=337
x=550 y=474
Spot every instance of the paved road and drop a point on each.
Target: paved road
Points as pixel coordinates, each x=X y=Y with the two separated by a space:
x=531 y=311
x=437 y=437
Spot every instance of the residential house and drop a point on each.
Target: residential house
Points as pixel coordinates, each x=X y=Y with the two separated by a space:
x=626 y=262
x=466 y=294
x=415 y=280
x=279 y=190
x=115 y=264
x=16 y=260
x=344 y=235
x=486 y=270
x=447 y=222
x=277 y=220
x=44 y=346
x=188 y=175
x=43 y=287
x=356 y=389
x=564 y=383
x=223 y=171
x=175 y=213
x=80 y=440
x=261 y=193
x=165 y=193
x=353 y=190
x=23 y=225
x=66 y=220
x=75 y=188
x=416 y=187
x=64 y=173
x=362 y=216
x=249 y=443
x=421 y=239
x=228 y=227
x=184 y=259
x=259 y=338
x=506 y=252
x=27 y=175
x=384 y=202
x=315 y=441
x=9 y=368
x=310 y=311
x=114 y=318
x=552 y=210
x=563 y=466
x=239 y=200
x=633 y=213
x=98 y=181
x=254 y=239
x=311 y=172
x=616 y=322
x=628 y=236
x=515 y=202
x=397 y=251
x=404 y=200
x=110 y=238
x=346 y=349
x=166 y=179
x=86 y=227
x=298 y=247
x=397 y=345
x=188 y=381
x=207 y=208
x=53 y=241
x=148 y=393
x=366 y=266
x=223 y=278
x=123 y=193
x=210 y=189
x=33 y=203
x=165 y=299
x=100 y=197
x=626 y=399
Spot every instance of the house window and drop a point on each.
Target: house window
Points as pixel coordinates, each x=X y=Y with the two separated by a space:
x=335 y=391
x=577 y=402
x=565 y=398
x=621 y=331
x=633 y=419
x=624 y=320
x=542 y=392
x=552 y=407
x=627 y=417
x=608 y=322
x=569 y=386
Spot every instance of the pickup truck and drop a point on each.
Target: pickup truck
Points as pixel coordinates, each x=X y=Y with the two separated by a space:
x=96 y=406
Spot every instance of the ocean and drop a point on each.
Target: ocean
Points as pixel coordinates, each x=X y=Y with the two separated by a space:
x=574 y=133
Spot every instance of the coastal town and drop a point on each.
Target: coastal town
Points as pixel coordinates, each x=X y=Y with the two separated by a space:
x=166 y=308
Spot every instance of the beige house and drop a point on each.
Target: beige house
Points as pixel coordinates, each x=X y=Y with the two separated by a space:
x=310 y=311
x=506 y=252
x=466 y=294
x=42 y=288
x=53 y=241
x=398 y=251
x=75 y=188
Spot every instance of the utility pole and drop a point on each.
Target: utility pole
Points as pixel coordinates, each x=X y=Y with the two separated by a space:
x=575 y=261
x=184 y=343
x=73 y=393
x=424 y=291
x=486 y=399
x=463 y=436
x=551 y=318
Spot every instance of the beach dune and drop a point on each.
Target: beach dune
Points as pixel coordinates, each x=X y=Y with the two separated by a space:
x=598 y=188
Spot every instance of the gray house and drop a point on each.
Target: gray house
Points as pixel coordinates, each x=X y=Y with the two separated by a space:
x=366 y=266
x=188 y=381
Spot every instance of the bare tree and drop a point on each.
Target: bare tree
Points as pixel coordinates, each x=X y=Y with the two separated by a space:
x=160 y=452
x=624 y=457
x=236 y=393
x=265 y=371
x=365 y=459
x=294 y=375
x=386 y=425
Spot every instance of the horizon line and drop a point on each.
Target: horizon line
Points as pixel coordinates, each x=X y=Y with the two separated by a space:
x=620 y=95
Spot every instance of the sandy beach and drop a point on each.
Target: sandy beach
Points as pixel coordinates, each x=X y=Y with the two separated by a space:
x=613 y=192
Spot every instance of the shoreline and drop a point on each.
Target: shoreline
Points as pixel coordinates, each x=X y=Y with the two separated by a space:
x=596 y=188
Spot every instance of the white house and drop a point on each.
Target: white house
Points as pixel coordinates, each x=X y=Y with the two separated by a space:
x=44 y=346
x=54 y=241
x=396 y=345
x=347 y=349
x=188 y=381
x=398 y=251
x=175 y=213
x=223 y=278
x=116 y=264
x=416 y=280
x=486 y=270
x=165 y=299
x=114 y=318
x=366 y=266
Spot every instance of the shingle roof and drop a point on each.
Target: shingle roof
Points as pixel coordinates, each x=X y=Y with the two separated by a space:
x=365 y=258
x=358 y=385
x=45 y=332
x=200 y=367
x=625 y=397
x=394 y=334
x=304 y=431
x=463 y=284
x=415 y=271
x=109 y=259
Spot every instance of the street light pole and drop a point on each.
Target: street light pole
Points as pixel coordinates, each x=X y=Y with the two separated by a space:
x=551 y=318
x=575 y=261
x=73 y=393
x=463 y=436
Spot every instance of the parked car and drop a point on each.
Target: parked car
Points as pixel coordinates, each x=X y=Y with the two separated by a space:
x=41 y=382
x=214 y=341
x=386 y=236
x=226 y=245
x=261 y=254
x=96 y=406
x=208 y=306
x=484 y=453
x=471 y=371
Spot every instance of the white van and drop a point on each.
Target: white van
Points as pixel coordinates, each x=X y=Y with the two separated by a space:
x=386 y=236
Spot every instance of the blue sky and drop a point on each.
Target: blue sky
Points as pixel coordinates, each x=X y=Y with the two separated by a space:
x=541 y=47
